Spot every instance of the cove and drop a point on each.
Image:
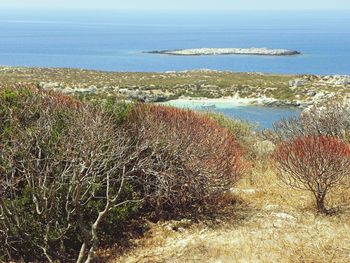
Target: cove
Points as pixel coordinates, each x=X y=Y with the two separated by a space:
x=264 y=116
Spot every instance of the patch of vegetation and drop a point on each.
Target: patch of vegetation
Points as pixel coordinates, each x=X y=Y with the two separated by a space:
x=209 y=84
x=188 y=161
x=73 y=174
x=318 y=164
x=76 y=172
x=63 y=182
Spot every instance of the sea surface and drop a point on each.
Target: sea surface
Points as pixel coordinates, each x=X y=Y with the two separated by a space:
x=261 y=117
x=115 y=40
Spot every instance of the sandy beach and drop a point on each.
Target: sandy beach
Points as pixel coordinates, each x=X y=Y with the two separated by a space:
x=225 y=102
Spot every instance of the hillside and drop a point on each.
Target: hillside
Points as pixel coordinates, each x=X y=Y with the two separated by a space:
x=267 y=224
x=118 y=181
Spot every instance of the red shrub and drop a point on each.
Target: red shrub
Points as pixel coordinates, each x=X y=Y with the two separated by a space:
x=186 y=158
x=315 y=163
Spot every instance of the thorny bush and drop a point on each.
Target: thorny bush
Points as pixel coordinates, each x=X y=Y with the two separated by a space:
x=62 y=177
x=316 y=163
x=331 y=118
x=186 y=159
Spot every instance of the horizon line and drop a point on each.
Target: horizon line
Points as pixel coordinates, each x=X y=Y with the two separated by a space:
x=166 y=9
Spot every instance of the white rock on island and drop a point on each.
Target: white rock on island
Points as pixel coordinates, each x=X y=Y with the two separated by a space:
x=227 y=51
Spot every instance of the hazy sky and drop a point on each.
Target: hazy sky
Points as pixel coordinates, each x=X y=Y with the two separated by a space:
x=179 y=4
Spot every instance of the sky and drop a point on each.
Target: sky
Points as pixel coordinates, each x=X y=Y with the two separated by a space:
x=178 y=4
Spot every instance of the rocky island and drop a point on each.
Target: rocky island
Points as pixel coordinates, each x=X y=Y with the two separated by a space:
x=227 y=51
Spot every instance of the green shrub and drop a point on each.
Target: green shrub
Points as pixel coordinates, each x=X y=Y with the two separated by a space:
x=253 y=146
x=241 y=130
x=63 y=185
x=119 y=110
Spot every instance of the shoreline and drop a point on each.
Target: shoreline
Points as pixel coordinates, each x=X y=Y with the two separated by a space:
x=232 y=101
x=254 y=88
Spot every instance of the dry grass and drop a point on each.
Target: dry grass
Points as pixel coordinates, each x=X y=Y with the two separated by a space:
x=271 y=223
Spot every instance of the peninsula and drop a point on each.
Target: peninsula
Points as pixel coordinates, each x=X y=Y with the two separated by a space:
x=227 y=51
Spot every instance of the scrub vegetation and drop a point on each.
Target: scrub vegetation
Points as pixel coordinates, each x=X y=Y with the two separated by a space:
x=269 y=89
x=73 y=174
x=85 y=181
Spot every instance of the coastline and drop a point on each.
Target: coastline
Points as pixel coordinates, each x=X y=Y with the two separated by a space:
x=245 y=88
x=233 y=101
x=220 y=102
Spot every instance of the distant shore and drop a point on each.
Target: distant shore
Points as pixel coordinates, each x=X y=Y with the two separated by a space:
x=233 y=101
x=273 y=90
x=227 y=51
x=224 y=101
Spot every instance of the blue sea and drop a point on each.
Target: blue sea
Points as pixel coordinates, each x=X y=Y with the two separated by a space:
x=114 y=41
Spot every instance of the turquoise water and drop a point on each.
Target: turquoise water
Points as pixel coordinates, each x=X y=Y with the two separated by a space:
x=114 y=41
x=261 y=115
